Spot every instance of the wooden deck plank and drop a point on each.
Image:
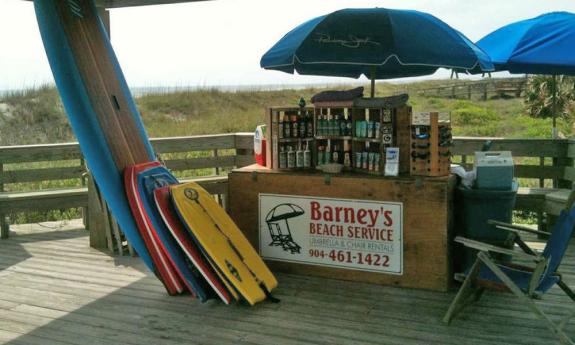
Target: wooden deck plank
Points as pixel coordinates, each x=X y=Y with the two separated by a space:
x=61 y=303
x=44 y=265
x=358 y=325
x=55 y=289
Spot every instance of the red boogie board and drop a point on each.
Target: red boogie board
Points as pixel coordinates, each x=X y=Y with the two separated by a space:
x=164 y=206
x=164 y=268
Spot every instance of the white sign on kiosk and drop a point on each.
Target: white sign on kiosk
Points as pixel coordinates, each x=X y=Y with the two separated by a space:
x=424 y=118
x=352 y=234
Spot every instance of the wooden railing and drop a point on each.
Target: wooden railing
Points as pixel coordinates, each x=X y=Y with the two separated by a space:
x=47 y=177
x=484 y=88
x=22 y=166
x=548 y=161
x=25 y=171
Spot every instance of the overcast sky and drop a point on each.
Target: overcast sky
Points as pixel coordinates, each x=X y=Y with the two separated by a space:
x=221 y=42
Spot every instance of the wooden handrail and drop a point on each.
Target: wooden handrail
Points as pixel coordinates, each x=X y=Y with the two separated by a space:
x=481 y=87
x=555 y=148
x=540 y=159
x=178 y=153
x=562 y=151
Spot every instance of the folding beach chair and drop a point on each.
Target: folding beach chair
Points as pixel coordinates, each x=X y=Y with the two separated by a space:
x=526 y=282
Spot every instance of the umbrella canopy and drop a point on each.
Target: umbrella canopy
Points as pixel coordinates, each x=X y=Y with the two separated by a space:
x=541 y=45
x=377 y=42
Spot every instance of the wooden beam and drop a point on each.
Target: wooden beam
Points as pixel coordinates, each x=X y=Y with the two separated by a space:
x=131 y=3
x=519 y=147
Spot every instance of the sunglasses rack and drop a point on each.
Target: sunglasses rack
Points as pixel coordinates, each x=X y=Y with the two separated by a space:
x=430 y=145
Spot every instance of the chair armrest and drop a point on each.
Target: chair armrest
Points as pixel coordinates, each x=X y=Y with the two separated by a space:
x=485 y=247
x=516 y=228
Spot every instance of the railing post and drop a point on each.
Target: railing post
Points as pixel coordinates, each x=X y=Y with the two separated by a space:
x=562 y=162
x=541 y=179
x=4 y=224
x=96 y=215
x=85 y=218
x=242 y=153
x=540 y=223
x=217 y=168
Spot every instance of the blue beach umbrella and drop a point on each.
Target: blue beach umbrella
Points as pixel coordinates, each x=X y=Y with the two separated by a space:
x=378 y=43
x=541 y=45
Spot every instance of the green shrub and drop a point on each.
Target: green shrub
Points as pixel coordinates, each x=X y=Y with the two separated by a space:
x=466 y=113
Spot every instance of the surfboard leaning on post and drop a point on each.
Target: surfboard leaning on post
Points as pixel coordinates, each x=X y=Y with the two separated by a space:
x=98 y=102
x=112 y=137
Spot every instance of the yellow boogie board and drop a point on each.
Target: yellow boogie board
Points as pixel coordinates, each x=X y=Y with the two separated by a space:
x=223 y=242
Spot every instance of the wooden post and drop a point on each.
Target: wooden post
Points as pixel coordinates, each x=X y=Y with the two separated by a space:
x=216 y=169
x=540 y=223
x=519 y=89
x=541 y=179
x=4 y=224
x=1 y=174
x=96 y=217
x=554 y=107
x=373 y=68
x=113 y=233
x=469 y=91
x=107 y=227
x=484 y=91
x=83 y=177
x=563 y=162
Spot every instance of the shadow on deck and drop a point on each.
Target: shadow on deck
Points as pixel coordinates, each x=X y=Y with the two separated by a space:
x=54 y=289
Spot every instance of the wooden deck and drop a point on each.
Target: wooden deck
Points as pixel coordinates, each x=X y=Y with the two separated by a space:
x=54 y=289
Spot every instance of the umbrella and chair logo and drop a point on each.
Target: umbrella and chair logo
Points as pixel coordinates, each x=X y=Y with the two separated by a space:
x=278 y=219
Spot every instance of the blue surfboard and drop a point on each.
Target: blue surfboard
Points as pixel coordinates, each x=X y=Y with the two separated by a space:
x=97 y=100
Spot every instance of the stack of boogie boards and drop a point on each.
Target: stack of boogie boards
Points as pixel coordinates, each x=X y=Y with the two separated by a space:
x=116 y=147
x=192 y=240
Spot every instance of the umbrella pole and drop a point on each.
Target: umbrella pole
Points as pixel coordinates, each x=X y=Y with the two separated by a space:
x=372 y=81
x=554 y=107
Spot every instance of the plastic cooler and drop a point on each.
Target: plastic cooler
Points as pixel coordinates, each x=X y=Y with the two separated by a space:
x=475 y=208
x=494 y=170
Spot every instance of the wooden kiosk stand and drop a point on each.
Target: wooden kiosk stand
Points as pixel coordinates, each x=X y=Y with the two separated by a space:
x=419 y=253
x=359 y=224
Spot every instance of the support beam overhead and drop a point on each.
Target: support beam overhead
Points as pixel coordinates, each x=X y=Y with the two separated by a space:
x=131 y=3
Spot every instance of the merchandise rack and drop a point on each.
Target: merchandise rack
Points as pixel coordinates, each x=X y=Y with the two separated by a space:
x=359 y=130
